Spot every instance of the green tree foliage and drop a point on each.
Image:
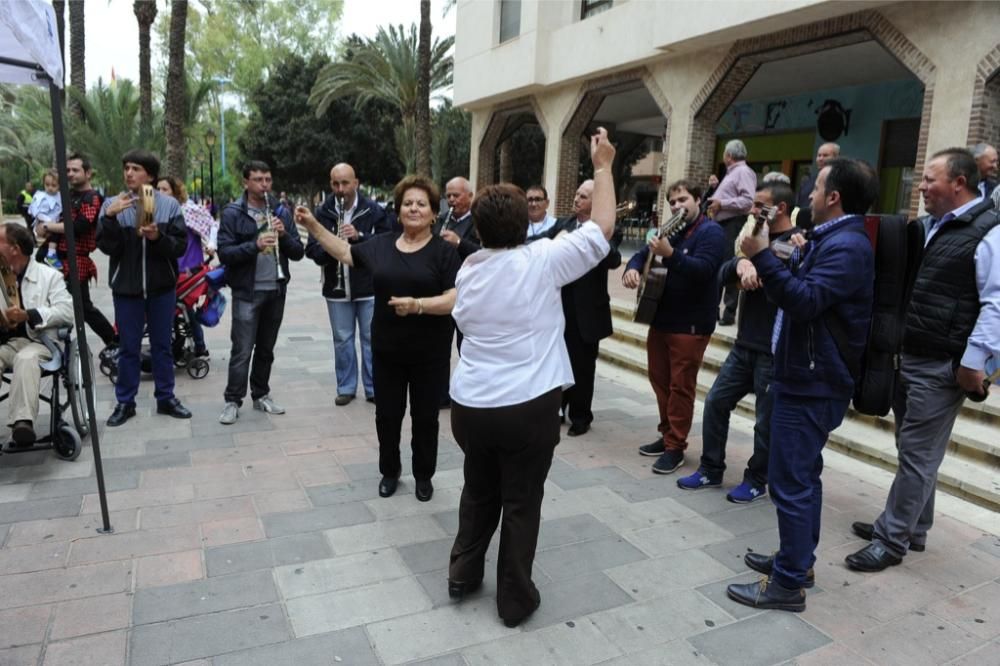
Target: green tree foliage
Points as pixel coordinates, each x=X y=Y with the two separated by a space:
x=451 y=131
x=386 y=69
x=301 y=147
x=109 y=126
x=25 y=131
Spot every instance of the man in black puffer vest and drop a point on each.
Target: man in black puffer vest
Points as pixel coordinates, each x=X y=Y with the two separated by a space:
x=952 y=330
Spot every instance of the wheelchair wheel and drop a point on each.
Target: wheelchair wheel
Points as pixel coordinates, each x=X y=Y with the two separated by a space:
x=77 y=397
x=198 y=368
x=66 y=442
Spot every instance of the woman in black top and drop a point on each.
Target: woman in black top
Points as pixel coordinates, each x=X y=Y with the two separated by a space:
x=414 y=278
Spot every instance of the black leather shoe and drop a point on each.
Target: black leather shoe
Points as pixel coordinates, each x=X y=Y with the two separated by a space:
x=577 y=429
x=174 y=408
x=121 y=414
x=765 y=593
x=866 y=531
x=425 y=490
x=511 y=622
x=764 y=564
x=873 y=557
x=457 y=589
x=387 y=486
x=22 y=434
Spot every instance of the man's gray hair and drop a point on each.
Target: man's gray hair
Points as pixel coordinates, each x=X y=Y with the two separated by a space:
x=979 y=149
x=736 y=149
x=776 y=177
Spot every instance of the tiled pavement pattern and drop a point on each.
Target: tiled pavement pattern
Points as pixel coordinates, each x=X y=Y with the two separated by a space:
x=265 y=543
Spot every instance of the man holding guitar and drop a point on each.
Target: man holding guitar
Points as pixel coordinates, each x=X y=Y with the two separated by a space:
x=684 y=319
x=748 y=368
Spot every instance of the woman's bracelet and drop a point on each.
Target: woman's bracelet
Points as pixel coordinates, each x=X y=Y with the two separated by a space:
x=420 y=306
x=601 y=170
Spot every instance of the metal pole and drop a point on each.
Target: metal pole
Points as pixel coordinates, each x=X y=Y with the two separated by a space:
x=211 y=177
x=74 y=287
x=201 y=165
x=223 y=116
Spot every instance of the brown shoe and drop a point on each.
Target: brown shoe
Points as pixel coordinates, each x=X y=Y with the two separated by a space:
x=23 y=434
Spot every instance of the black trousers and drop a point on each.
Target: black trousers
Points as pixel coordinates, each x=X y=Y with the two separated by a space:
x=95 y=319
x=508 y=452
x=579 y=398
x=254 y=333
x=730 y=296
x=394 y=376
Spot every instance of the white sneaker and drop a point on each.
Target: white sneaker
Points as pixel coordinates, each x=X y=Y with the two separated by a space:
x=266 y=404
x=230 y=413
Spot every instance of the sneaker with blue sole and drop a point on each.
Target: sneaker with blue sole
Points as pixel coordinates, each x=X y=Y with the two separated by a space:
x=746 y=492
x=697 y=481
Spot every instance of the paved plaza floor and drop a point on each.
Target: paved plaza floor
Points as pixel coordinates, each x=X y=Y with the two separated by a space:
x=265 y=543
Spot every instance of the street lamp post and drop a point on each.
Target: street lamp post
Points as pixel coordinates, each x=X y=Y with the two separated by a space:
x=210 y=142
x=222 y=80
x=201 y=166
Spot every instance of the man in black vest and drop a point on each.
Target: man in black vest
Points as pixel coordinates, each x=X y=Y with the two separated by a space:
x=587 y=309
x=952 y=330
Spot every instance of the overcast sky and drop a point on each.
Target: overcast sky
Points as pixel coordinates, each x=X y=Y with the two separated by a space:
x=115 y=17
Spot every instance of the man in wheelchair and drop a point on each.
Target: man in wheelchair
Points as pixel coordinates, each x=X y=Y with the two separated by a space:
x=35 y=299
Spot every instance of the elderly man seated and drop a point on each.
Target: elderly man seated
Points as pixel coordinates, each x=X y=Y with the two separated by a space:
x=36 y=299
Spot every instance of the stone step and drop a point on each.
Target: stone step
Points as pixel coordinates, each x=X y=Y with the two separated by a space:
x=971 y=470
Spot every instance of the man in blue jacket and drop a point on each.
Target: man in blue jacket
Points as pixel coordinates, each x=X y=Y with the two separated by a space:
x=349 y=292
x=684 y=320
x=827 y=283
x=255 y=251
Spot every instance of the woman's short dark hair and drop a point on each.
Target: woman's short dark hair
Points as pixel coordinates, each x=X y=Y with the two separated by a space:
x=177 y=187
x=18 y=234
x=417 y=182
x=500 y=213
x=145 y=159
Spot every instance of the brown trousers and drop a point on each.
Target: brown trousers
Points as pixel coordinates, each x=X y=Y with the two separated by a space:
x=508 y=451
x=673 y=360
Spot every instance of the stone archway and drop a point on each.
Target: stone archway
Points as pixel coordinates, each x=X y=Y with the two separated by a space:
x=747 y=55
x=984 y=123
x=589 y=99
x=506 y=119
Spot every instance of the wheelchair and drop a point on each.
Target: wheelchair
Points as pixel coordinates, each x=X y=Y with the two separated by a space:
x=65 y=369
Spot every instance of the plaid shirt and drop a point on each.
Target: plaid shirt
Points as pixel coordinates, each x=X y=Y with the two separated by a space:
x=85 y=207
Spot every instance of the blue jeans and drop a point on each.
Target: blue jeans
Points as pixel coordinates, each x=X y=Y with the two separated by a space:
x=745 y=370
x=134 y=315
x=343 y=314
x=254 y=332
x=800 y=427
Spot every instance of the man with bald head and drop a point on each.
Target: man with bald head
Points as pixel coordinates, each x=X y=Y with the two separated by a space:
x=989 y=167
x=349 y=292
x=826 y=152
x=455 y=224
x=587 y=310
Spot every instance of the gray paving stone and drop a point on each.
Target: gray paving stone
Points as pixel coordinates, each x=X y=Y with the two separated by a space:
x=340 y=573
x=41 y=509
x=707 y=502
x=448 y=520
x=746 y=520
x=3 y=533
x=332 y=611
x=765 y=638
x=342 y=493
x=731 y=552
x=367 y=471
x=220 y=441
x=571 y=529
x=83 y=486
x=586 y=557
x=568 y=477
x=241 y=557
x=349 y=646
x=207 y=635
x=643 y=490
x=575 y=597
x=171 y=602
x=149 y=461
x=427 y=556
x=988 y=544
x=247 y=422
x=453 y=659
x=314 y=520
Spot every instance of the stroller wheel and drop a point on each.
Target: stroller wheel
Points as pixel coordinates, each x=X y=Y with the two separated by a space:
x=198 y=368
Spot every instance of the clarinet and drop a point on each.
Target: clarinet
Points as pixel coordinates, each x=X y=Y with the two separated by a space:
x=340 y=286
x=270 y=227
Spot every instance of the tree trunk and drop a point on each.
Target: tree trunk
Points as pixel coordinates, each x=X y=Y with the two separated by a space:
x=77 y=50
x=423 y=111
x=145 y=14
x=175 y=104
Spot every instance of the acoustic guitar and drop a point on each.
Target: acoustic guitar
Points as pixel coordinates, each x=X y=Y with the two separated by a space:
x=654 y=278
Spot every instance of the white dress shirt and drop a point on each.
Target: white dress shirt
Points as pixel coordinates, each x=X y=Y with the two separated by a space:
x=509 y=309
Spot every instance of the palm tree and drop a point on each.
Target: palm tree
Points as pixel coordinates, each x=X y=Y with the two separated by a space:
x=175 y=104
x=385 y=68
x=77 y=51
x=423 y=129
x=145 y=14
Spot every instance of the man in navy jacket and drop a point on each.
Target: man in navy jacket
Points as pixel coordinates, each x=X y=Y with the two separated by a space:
x=683 y=323
x=828 y=283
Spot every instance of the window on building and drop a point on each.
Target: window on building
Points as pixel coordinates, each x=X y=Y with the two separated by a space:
x=510 y=19
x=590 y=8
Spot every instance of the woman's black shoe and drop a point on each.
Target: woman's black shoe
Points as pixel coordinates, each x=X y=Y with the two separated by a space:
x=457 y=589
x=425 y=490
x=121 y=414
x=387 y=486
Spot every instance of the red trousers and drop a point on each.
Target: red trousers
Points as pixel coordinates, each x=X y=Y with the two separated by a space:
x=673 y=360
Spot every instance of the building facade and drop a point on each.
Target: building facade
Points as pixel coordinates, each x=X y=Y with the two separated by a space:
x=673 y=80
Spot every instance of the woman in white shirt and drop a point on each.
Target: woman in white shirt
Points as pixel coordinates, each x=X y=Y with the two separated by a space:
x=506 y=390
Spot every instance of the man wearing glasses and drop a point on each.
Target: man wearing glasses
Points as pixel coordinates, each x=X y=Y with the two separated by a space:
x=539 y=220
